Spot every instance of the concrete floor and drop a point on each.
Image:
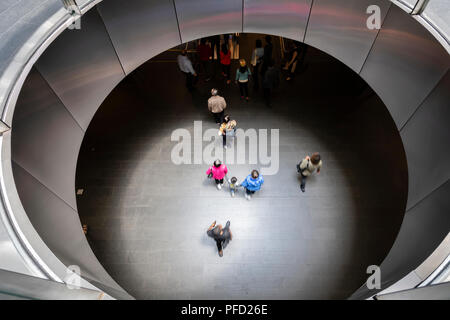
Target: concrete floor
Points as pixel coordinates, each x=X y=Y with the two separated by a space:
x=148 y=217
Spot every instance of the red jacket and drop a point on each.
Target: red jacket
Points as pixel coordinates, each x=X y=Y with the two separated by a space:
x=204 y=52
x=225 y=58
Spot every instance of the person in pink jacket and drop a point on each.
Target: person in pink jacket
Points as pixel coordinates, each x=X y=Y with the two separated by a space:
x=218 y=171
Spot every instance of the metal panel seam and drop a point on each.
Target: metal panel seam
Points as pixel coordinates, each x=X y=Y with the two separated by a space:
x=59 y=99
x=176 y=17
x=375 y=39
x=110 y=40
x=423 y=101
x=41 y=183
x=425 y=197
x=307 y=21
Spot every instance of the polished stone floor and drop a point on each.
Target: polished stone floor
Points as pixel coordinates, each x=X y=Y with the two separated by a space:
x=148 y=217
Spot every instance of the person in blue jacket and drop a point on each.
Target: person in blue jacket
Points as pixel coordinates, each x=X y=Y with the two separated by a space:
x=252 y=183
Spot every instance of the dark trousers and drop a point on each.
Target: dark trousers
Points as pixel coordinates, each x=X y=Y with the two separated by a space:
x=219 y=181
x=206 y=65
x=218 y=117
x=303 y=183
x=219 y=245
x=189 y=81
x=255 y=75
x=224 y=137
x=267 y=92
x=243 y=88
x=249 y=192
x=226 y=69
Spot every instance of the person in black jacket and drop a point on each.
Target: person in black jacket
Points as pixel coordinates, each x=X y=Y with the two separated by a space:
x=271 y=81
x=267 y=55
x=222 y=236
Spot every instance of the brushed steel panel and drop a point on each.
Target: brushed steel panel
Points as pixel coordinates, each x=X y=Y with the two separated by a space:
x=286 y=18
x=140 y=29
x=405 y=64
x=82 y=67
x=202 y=18
x=426 y=139
x=339 y=28
x=10 y=258
x=59 y=226
x=425 y=226
x=45 y=138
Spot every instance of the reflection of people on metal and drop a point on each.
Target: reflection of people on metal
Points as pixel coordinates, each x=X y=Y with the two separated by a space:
x=222 y=236
x=308 y=166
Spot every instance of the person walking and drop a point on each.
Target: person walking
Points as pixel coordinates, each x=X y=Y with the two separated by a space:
x=216 y=105
x=252 y=183
x=218 y=172
x=205 y=53
x=268 y=49
x=271 y=81
x=308 y=166
x=222 y=236
x=234 y=186
x=185 y=66
x=257 y=58
x=225 y=61
x=291 y=65
x=243 y=74
x=227 y=129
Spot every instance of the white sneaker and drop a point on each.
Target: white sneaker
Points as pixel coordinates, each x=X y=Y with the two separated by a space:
x=219 y=186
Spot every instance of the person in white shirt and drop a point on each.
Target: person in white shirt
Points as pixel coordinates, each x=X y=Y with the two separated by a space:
x=186 y=67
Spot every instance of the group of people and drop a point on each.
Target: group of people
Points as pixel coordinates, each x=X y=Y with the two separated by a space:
x=262 y=71
x=219 y=172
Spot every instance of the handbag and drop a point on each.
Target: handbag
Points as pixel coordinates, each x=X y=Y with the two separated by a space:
x=210 y=175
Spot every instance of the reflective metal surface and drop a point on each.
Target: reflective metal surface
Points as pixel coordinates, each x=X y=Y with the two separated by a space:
x=404 y=65
x=17 y=285
x=201 y=18
x=340 y=29
x=140 y=29
x=67 y=240
x=426 y=141
x=82 y=78
x=46 y=138
x=286 y=18
x=10 y=257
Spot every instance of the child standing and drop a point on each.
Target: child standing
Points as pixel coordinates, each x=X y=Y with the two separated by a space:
x=218 y=171
x=234 y=185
